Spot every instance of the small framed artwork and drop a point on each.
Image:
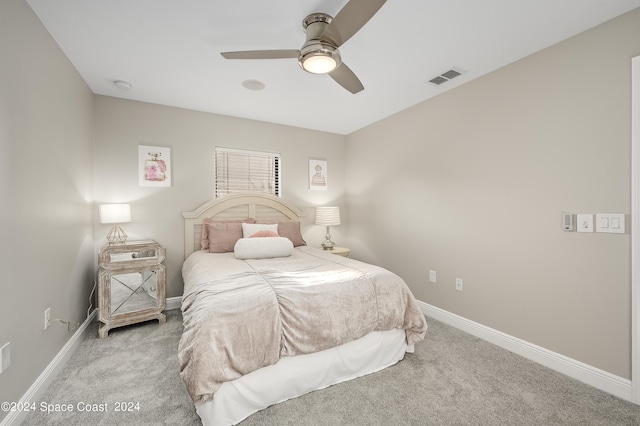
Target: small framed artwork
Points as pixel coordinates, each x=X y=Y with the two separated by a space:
x=154 y=166
x=318 y=175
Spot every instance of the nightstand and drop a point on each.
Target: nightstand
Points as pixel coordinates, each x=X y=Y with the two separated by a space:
x=131 y=286
x=340 y=251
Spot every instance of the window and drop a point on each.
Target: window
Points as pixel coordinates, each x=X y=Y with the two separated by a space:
x=239 y=170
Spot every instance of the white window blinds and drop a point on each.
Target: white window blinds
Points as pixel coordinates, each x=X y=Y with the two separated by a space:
x=246 y=171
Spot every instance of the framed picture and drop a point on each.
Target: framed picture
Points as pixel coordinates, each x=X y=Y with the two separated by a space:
x=318 y=175
x=154 y=166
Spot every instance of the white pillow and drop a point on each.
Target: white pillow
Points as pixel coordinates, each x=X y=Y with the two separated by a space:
x=263 y=248
x=252 y=228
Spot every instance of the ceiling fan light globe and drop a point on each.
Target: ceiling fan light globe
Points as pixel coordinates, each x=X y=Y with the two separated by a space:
x=319 y=64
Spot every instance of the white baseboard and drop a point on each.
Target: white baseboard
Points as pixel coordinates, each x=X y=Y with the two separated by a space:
x=37 y=389
x=585 y=373
x=174 y=303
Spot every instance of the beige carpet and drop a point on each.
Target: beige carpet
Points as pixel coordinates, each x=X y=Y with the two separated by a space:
x=452 y=379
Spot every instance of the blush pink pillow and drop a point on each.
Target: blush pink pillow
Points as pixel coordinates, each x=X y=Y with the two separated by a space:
x=289 y=229
x=264 y=233
x=223 y=236
x=204 y=239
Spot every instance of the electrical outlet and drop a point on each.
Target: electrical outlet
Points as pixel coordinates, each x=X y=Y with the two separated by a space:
x=47 y=318
x=432 y=276
x=5 y=357
x=459 y=284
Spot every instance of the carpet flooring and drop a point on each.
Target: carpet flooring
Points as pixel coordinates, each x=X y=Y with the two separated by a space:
x=452 y=378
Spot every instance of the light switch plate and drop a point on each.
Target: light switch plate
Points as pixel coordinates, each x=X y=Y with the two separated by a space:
x=584 y=222
x=612 y=223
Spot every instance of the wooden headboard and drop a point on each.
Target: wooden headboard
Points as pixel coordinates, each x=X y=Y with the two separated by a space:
x=235 y=206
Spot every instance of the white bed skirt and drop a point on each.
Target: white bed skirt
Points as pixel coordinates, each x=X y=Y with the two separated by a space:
x=295 y=376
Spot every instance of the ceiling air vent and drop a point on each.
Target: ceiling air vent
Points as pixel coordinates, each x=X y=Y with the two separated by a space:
x=438 y=80
x=446 y=76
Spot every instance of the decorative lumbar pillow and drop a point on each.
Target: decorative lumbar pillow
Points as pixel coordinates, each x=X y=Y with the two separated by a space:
x=264 y=234
x=248 y=229
x=289 y=229
x=263 y=248
x=204 y=237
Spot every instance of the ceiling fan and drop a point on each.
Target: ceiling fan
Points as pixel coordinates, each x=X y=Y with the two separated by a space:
x=319 y=54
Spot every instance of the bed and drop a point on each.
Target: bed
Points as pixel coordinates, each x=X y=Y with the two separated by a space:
x=268 y=318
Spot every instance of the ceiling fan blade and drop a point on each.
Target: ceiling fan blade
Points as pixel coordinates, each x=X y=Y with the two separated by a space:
x=346 y=78
x=262 y=54
x=353 y=16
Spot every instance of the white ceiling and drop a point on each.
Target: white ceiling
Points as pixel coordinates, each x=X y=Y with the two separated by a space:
x=169 y=50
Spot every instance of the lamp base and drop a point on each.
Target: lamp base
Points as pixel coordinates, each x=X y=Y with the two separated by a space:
x=328 y=245
x=116 y=236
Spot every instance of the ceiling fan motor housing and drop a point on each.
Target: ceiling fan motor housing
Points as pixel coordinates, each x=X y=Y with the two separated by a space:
x=318 y=56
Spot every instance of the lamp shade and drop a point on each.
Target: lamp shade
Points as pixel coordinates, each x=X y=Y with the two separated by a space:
x=328 y=216
x=115 y=213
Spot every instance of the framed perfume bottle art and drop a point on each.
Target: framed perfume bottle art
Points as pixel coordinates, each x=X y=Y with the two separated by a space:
x=154 y=166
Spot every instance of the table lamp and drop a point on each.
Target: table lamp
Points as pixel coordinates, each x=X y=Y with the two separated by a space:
x=116 y=214
x=328 y=216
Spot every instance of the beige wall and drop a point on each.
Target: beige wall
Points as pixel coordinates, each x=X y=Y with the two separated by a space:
x=472 y=184
x=122 y=125
x=46 y=226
